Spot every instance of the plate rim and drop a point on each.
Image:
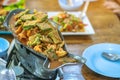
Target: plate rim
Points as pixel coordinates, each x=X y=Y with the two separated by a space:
x=94 y=69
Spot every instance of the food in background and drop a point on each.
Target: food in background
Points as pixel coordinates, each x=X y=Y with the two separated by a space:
x=8 y=5
x=13 y=4
x=9 y=2
x=69 y=22
x=36 y=31
x=3 y=14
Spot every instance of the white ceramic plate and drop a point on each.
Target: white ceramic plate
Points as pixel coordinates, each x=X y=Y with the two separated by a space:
x=99 y=64
x=88 y=29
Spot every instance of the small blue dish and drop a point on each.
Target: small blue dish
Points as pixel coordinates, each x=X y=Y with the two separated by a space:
x=4 y=45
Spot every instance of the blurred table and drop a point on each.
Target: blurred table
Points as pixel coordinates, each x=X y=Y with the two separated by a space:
x=105 y=23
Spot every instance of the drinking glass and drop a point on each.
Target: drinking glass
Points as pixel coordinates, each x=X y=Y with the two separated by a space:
x=7 y=74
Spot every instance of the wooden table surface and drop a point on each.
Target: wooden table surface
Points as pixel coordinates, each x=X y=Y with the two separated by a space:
x=105 y=23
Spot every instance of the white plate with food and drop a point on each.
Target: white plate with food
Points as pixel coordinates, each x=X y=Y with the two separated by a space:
x=87 y=28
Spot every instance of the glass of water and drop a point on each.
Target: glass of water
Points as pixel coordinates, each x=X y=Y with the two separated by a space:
x=7 y=74
x=72 y=72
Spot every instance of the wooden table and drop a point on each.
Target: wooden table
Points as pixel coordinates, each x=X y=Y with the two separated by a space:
x=105 y=23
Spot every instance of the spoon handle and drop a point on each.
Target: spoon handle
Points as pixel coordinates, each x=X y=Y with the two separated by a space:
x=85 y=8
x=70 y=2
x=111 y=56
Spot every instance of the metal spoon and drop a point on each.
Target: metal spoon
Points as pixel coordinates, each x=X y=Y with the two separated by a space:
x=111 y=56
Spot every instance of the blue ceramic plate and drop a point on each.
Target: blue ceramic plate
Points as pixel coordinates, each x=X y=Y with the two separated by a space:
x=97 y=63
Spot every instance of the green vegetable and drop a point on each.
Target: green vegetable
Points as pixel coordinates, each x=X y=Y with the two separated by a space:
x=18 y=22
x=19 y=4
x=2 y=18
x=41 y=16
x=55 y=37
x=45 y=27
x=22 y=13
x=55 y=19
x=29 y=24
x=51 y=54
x=45 y=39
x=27 y=17
x=34 y=40
x=73 y=18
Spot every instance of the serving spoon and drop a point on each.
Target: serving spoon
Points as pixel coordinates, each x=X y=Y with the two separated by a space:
x=111 y=56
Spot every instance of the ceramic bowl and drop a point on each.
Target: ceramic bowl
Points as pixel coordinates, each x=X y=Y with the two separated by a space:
x=4 y=45
x=74 y=5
